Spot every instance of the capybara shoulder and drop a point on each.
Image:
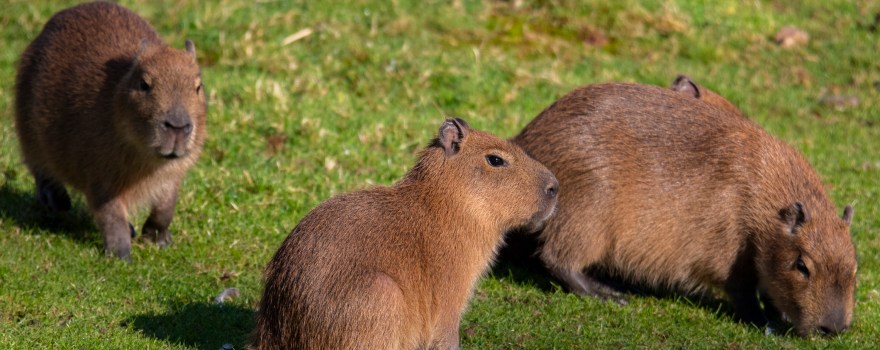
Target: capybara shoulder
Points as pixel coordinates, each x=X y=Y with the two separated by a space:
x=393 y=267
x=664 y=191
x=105 y=106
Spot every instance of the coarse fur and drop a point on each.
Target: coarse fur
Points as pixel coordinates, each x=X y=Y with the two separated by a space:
x=103 y=105
x=675 y=194
x=393 y=267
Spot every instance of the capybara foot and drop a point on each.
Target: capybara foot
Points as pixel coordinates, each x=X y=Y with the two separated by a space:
x=577 y=282
x=121 y=250
x=161 y=237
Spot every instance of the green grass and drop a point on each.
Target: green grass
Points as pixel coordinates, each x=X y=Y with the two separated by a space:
x=350 y=105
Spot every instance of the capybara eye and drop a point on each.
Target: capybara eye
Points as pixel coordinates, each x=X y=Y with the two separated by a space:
x=495 y=161
x=802 y=267
x=144 y=86
x=199 y=88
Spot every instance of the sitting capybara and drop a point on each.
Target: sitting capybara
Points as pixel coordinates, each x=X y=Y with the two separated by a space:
x=106 y=107
x=686 y=85
x=393 y=267
x=669 y=193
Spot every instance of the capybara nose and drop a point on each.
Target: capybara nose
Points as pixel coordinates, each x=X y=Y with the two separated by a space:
x=835 y=324
x=179 y=125
x=552 y=187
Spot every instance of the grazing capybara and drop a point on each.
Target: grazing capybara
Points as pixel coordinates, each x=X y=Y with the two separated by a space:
x=669 y=193
x=393 y=267
x=105 y=106
x=686 y=85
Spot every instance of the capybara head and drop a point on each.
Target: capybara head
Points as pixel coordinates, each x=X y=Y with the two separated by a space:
x=501 y=182
x=808 y=270
x=161 y=101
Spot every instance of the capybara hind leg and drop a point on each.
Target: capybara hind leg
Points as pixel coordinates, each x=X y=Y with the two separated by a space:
x=52 y=193
x=582 y=284
x=156 y=227
x=111 y=218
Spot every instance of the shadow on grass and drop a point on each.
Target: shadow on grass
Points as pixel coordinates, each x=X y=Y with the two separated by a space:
x=519 y=264
x=25 y=211
x=199 y=325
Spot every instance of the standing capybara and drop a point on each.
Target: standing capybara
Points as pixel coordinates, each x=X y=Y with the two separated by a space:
x=666 y=192
x=103 y=105
x=394 y=267
x=686 y=85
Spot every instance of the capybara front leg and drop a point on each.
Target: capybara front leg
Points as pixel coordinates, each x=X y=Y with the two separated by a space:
x=111 y=218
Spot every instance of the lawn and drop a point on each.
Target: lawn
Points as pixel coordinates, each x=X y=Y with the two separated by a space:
x=310 y=99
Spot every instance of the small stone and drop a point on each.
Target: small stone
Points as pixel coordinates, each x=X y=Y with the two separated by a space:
x=226 y=295
x=790 y=36
x=840 y=101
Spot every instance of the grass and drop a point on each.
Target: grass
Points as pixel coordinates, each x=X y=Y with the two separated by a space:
x=350 y=104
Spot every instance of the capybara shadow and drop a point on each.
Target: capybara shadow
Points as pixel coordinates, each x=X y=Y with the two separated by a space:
x=206 y=326
x=104 y=106
x=394 y=267
x=667 y=191
x=24 y=211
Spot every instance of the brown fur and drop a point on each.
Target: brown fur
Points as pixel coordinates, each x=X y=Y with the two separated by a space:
x=393 y=267
x=106 y=107
x=687 y=86
x=660 y=190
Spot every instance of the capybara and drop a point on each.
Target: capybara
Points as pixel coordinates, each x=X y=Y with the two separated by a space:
x=686 y=85
x=665 y=192
x=105 y=106
x=393 y=267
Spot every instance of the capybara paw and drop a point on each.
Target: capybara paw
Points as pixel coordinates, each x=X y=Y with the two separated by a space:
x=160 y=237
x=121 y=251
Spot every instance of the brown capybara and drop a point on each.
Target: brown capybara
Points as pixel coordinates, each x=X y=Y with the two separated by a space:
x=105 y=106
x=393 y=267
x=669 y=193
x=686 y=85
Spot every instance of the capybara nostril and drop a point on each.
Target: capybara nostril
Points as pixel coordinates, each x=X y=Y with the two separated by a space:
x=552 y=188
x=184 y=127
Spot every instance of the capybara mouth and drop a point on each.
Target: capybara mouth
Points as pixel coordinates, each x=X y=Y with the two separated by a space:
x=539 y=220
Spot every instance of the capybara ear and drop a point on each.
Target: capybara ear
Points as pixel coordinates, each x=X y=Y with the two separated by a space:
x=141 y=49
x=685 y=85
x=847 y=214
x=191 y=48
x=794 y=216
x=452 y=132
